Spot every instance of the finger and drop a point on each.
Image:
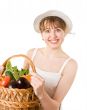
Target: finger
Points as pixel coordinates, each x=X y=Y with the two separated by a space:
x=37 y=76
x=32 y=73
x=40 y=78
x=34 y=82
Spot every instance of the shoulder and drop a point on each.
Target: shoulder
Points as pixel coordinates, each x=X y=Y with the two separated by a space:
x=30 y=52
x=72 y=63
x=71 y=67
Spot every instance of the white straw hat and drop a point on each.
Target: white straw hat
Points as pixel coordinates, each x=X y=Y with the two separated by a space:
x=59 y=14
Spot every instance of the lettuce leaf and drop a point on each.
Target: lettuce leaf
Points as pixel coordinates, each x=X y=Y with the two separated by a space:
x=14 y=72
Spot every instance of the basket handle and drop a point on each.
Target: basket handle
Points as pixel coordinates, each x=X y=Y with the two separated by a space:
x=20 y=55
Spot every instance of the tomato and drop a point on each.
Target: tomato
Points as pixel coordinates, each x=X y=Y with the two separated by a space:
x=5 y=82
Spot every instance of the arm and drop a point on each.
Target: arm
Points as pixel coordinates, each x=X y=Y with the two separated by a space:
x=66 y=81
x=63 y=87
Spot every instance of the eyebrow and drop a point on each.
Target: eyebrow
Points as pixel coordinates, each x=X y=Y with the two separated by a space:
x=54 y=28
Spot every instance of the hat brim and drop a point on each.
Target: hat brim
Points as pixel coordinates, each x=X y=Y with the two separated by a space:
x=59 y=14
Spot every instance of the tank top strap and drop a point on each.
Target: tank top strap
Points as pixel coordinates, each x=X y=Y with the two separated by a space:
x=34 y=53
x=64 y=64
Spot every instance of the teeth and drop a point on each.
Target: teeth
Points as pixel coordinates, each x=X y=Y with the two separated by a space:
x=54 y=41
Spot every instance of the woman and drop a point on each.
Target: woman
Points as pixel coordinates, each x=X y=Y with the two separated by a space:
x=55 y=70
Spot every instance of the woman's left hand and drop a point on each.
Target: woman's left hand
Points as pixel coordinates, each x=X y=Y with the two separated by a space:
x=37 y=83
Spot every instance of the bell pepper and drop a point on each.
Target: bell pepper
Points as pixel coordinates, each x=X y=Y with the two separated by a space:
x=28 y=77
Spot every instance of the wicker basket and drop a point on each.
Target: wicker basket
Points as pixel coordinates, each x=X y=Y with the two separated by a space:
x=18 y=99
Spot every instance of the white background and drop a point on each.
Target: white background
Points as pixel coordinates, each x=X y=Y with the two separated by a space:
x=17 y=36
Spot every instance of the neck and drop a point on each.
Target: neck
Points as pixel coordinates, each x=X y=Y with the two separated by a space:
x=50 y=53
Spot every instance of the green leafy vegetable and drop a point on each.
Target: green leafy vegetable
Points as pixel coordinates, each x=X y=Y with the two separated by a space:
x=9 y=66
x=9 y=73
x=23 y=72
x=13 y=72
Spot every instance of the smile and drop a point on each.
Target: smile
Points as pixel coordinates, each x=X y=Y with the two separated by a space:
x=54 y=41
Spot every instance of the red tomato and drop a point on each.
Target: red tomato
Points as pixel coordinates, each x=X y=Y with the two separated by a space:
x=5 y=82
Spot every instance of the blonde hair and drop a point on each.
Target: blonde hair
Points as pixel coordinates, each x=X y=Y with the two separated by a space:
x=52 y=21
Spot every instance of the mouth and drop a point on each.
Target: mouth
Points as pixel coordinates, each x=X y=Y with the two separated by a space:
x=54 y=41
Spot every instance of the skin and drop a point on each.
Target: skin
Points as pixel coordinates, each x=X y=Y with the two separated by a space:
x=45 y=59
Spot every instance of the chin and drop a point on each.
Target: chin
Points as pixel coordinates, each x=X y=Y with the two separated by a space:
x=54 y=47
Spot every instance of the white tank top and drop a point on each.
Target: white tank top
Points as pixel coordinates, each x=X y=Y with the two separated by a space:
x=51 y=79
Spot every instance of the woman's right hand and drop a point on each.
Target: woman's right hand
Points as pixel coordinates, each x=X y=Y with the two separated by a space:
x=37 y=83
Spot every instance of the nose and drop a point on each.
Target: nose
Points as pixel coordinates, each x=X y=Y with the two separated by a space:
x=53 y=34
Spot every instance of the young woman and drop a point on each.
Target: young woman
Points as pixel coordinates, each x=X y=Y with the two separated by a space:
x=55 y=70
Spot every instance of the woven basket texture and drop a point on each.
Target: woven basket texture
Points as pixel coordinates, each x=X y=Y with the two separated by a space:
x=19 y=99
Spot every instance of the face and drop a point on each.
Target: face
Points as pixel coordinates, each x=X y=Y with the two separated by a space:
x=53 y=37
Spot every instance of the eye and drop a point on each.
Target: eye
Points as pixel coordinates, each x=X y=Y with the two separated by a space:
x=58 y=30
x=47 y=30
